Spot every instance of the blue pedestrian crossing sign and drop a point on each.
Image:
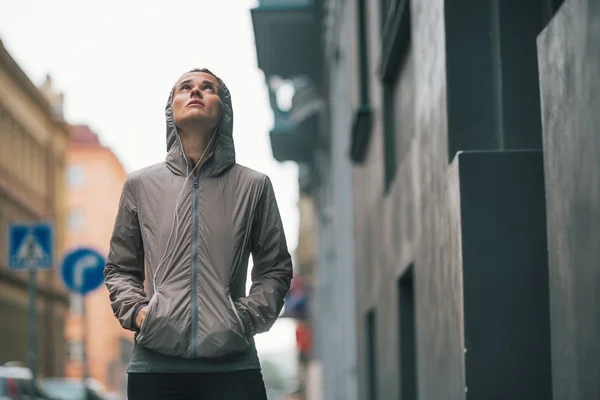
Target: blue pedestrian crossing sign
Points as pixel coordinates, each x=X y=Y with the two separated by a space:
x=30 y=245
x=82 y=270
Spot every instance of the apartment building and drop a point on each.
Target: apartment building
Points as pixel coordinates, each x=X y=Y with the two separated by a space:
x=33 y=146
x=95 y=178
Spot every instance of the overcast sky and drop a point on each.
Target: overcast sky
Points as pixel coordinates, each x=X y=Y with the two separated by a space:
x=116 y=61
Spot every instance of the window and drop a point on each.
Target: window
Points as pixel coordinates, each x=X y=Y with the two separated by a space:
x=362 y=124
x=19 y=151
x=4 y=138
x=390 y=163
x=407 y=336
x=75 y=175
x=76 y=350
x=371 y=336
x=384 y=7
x=113 y=373
x=76 y=304
x=395 y=37
x=76 y=220
x=28 y=158
x=3 y=230
x=395 y=43
x=363 y=52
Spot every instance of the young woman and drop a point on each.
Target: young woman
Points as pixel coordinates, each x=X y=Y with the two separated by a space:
x=186 y=227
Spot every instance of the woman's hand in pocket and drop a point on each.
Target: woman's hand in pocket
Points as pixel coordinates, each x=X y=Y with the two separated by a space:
x=141 y=315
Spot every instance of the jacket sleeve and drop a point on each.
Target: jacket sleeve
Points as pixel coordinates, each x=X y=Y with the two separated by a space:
x=272 y=270
x=124 y=270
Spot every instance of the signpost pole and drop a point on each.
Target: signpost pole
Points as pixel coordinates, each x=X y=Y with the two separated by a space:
x=29 y=248
x=82 y=271
x=84 y=331
x=33 y=320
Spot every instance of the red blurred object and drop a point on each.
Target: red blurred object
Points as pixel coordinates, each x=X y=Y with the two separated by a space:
x=303 y=338
x=13 y=389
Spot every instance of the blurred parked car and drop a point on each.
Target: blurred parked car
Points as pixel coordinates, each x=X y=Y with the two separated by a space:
x=114 y=396
x=73 y=389
x=17 y=383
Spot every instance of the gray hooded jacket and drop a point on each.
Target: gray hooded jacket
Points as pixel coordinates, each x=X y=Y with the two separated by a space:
x=189 y=239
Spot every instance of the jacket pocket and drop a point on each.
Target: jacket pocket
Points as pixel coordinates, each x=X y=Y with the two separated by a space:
x=237 y=314
x=221 y=331
x=146 y=320
x=165 y=326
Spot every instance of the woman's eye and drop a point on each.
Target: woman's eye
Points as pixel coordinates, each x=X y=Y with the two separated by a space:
x=209 y=87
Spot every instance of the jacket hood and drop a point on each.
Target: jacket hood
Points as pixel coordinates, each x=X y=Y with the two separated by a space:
x=222 y=156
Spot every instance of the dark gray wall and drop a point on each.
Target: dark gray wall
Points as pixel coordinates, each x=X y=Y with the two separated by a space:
x=413 y=223
x=505 y=275
x=569 y=58
x=474 y=227
x=334 y=290
x=423 y=221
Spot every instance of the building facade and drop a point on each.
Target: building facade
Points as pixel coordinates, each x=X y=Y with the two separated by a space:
x=33 y=145
x=300 y=299
x=291 y=45
x=453 y=174
x=569 y=86
x=95 y=178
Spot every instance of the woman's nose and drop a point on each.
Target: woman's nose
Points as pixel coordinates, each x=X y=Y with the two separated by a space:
x=196 y=92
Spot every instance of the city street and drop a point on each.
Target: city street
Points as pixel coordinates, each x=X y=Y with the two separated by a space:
x=405 y=208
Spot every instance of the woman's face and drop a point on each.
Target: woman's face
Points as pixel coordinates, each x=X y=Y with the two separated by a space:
x=197 y=101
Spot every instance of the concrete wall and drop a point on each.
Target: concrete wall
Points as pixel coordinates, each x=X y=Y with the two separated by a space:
x=335 y=325
x=481 y=254
x=569 y=59
x=411 y=224
x=460 y=239
x=504 y=271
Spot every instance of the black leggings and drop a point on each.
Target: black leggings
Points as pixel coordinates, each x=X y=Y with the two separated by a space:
x=238 y=385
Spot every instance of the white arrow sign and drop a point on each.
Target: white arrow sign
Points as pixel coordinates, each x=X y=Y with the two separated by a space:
x=87 y=262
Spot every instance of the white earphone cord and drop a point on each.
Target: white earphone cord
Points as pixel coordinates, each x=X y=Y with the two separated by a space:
x=176 y=215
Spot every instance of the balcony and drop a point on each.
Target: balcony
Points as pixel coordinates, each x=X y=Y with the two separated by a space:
x=287 y=35
x=294 y=141
x=294 y=134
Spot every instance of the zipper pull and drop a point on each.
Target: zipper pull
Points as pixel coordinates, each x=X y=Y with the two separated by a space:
x=196 y=183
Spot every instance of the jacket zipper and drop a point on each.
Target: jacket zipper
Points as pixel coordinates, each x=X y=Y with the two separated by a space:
x=195 y=268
